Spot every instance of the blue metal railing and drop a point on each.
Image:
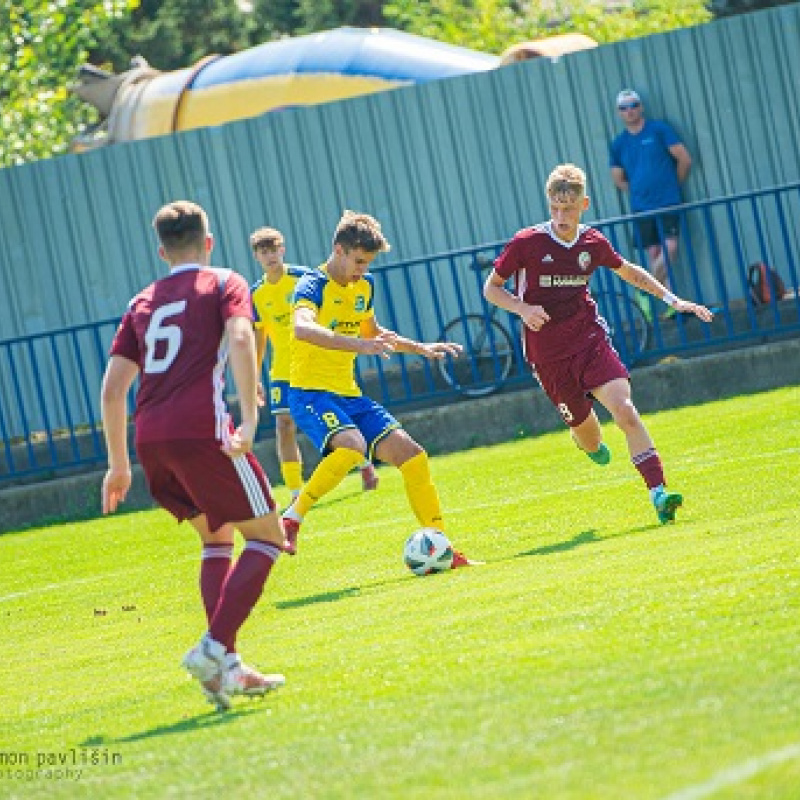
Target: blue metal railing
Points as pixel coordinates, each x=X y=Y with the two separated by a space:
x=50 y=382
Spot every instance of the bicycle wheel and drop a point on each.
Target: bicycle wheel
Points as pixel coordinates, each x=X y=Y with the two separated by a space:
x=628 y=325
x=486 y=361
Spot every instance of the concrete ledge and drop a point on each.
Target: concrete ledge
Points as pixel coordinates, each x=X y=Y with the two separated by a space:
x=457 y=426
x=677 y=383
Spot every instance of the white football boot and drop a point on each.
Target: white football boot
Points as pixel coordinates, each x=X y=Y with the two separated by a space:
x=243 y=679
x=207 y=663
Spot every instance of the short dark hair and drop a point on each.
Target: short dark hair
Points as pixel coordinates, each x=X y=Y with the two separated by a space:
x=181 y=225
x=271 y=237
x=358 y=230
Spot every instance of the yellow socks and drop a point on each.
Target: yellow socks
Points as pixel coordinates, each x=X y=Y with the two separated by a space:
x=422 y=494
x=292 y=473
x=330 y=472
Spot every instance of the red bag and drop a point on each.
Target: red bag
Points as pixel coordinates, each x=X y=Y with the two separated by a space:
x=765 y=284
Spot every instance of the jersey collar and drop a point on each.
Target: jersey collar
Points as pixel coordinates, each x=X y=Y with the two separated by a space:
x=548 y=226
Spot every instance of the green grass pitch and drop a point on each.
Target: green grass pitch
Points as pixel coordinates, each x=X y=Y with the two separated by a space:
x=596 y=656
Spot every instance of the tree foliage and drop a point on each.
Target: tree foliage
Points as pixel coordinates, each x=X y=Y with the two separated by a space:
x=318 y=15
x=628 y=21
x=494 y=25
x=42 y=44
x=727 y=8
x=173 y=34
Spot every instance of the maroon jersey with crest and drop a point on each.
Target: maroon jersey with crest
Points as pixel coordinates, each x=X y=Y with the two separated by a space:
x=175 y=331
x=554 y=274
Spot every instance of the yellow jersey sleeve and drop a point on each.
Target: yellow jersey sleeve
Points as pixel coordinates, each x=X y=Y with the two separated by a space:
x=272 y=311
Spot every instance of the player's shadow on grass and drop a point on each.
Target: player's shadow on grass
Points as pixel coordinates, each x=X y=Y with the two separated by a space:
x=187 y=725
x=340 y=497
x=323 y=597
x=336 y=595
x=580 y=539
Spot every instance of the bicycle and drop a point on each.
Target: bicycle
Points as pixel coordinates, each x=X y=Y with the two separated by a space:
x=490 y=349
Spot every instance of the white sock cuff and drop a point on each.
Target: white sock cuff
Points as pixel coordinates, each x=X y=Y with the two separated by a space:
x=640 y=457
x=291 y=513
x=269 y=550
x=217 y=551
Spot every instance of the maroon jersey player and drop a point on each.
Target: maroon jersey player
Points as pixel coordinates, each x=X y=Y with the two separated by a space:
x=565 y=340
x=177 y=336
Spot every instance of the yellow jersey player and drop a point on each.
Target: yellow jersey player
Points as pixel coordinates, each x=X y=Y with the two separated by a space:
x=333 y=321
x=272 y=295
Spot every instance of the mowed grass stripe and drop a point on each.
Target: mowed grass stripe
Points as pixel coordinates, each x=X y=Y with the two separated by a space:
x=596 y=655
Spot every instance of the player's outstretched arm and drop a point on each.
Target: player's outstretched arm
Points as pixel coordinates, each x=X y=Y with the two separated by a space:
x=117 y=381
x=371 y=342
x=640 y=278
x=688 y=307
x=402 y=344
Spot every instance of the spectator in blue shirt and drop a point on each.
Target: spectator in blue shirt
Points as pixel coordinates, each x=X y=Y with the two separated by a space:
x=649 y=161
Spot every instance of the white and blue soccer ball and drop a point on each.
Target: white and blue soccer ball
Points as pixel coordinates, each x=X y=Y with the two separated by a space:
x=428 y=550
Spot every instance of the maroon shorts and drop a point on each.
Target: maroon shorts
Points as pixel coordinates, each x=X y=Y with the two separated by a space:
x=569 y=382
x=193 y=476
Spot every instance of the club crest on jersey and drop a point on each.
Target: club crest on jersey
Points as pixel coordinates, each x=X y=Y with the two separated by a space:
x=361 y=303
x=584 y=260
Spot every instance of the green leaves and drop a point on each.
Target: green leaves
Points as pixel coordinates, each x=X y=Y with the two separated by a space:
x=174 y=34
x=48 y=41
x=495 y=25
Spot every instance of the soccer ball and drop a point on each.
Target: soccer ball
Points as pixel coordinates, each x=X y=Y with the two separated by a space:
x=427 y=551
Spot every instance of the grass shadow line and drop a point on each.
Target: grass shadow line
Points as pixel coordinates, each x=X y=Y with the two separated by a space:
x=198 y=722
x=323 y=597
x=341 y=497
x=334 y=596
x=581 y=539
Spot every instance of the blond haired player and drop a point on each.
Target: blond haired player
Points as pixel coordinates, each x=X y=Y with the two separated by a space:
x=565 y=340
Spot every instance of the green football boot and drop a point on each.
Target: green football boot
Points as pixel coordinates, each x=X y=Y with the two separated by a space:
x=601 y=456
x=666 y=504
